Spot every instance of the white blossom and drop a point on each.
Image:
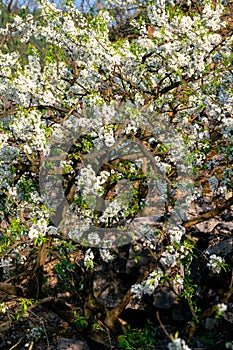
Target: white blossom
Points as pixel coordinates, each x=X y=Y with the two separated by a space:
x=89 y=259
x=3 y=308
x=222 y=307
x=215 y=263
x=39 y=228
x=176 y=233
x=178 y=344
x=93 y=238
x=106 y=255
x=169 y=257
x=149 y=285
x=6 y=264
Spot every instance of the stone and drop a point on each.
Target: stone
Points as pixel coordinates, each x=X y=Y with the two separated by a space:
x=223 y=248
x=164 y=298
x=72 y=344
x=211 y=323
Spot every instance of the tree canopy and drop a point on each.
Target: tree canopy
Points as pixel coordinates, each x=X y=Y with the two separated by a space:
x=116 y=142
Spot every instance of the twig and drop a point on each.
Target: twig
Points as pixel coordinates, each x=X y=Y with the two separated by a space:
x=107 y=332
x=14 y=346
x=31 y=345
x=162 y=326
x=43 y=326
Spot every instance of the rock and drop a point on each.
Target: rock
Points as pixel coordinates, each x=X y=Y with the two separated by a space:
x=207 y=226
x=223 y=248
x=72 y=344
x=164 y=298
x=211 y=323
x=135 y=267
x=228 y=314
x=223 y=229
x=137 y=318
x=177 y=313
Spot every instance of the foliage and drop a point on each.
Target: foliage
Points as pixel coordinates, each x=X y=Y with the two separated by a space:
x=138 y=338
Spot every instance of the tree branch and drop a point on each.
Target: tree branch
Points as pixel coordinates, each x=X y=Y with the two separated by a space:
x=208 y=214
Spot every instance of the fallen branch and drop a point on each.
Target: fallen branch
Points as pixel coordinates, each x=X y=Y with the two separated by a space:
x=208 y=214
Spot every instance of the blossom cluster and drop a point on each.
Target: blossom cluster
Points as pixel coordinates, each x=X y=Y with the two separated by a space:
x=216 y=263
x=149 y=285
